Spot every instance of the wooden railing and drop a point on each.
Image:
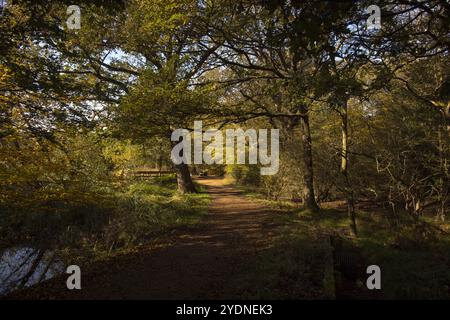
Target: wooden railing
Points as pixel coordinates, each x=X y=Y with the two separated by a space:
x=151 y=173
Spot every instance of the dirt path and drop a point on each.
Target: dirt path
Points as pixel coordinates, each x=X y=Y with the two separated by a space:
x=200 y=260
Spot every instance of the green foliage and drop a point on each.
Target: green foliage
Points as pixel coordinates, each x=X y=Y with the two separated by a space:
x=148 y=209
x=244 y=174
x=68 y=197
x=97 y=226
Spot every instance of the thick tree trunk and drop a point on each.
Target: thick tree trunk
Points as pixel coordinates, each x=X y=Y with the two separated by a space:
x=308 y=176
x=184 y=180
x=344 y=169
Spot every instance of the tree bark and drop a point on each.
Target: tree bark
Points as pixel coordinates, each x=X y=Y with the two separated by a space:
x=345 y=168
x=308 y=176
x=443 y=186
x=184 y=180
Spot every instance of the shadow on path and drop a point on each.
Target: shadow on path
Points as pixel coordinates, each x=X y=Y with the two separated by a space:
x=198 y=262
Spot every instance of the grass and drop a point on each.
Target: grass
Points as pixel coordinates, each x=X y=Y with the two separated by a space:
x=295 y=266
x=414 y=258
x=96 y=226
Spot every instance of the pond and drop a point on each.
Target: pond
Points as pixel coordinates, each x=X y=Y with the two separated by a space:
x=25 y=266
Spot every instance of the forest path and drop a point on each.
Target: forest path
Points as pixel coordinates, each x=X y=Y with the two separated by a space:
x=197 y=263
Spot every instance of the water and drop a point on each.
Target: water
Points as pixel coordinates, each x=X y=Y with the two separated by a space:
x=17 y=263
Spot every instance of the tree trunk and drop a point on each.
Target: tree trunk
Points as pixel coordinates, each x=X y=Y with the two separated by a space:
x=443 y=180
x=308 y=190
x=184 y=180
x=160 y=163
x=344 y=169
